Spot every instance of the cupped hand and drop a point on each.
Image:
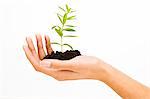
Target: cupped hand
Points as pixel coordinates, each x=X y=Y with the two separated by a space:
x=80 y=67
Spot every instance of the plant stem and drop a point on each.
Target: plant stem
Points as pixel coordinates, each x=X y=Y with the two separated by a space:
x=61 y=44
x=62 y=38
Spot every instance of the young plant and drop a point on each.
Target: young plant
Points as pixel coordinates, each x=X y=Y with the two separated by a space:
x=64 y=27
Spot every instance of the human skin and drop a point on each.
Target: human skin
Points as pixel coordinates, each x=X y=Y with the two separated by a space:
x=83 y=67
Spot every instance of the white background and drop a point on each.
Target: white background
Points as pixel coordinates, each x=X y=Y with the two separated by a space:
x=116 y=31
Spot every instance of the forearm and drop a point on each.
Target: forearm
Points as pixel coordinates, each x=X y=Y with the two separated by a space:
x=124 y=86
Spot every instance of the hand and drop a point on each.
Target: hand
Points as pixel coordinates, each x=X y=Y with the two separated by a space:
x=83 y=67
x=80 y=67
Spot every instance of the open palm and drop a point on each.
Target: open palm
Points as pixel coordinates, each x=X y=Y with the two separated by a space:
x=80 y=67
x=44 y=65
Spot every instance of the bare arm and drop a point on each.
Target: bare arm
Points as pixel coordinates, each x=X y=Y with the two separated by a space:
x=83 y=67
x=125 y=86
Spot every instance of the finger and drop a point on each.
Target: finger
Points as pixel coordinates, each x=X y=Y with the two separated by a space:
x=41 y=52
x=36 y=63
x=32 y=48
x=48 y=45
x=30 y=57
x=60 y=75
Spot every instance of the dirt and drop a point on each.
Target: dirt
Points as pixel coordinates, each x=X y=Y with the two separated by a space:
x=69 y=54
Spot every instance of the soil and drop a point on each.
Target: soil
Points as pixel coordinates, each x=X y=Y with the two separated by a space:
x=69 y=54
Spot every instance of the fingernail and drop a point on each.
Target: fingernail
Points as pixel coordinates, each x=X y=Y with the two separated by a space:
x=24 y=46
x=26 y=38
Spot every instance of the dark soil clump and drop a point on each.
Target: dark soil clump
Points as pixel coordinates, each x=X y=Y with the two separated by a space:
x=69 y=54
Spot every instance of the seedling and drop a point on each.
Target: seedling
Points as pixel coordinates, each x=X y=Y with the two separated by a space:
x=64 y=26
x=64 y=17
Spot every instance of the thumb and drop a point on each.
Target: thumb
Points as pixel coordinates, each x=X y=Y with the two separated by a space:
x=62 y=64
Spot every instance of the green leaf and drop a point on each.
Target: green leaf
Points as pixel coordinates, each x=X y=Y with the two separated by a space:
x=62 y=9
x=71 y=18
x=69 y=29
x=67 y=8
x=53 y=27
x=55 y=43
x=68 y=46
x=70 y=36
x=60 y=15
x=70 y=26
x=64 y=18
x=59 y=32
x=72 y=11
x=59 y=18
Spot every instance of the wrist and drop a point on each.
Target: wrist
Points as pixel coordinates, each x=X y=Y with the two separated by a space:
x=104 y=72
